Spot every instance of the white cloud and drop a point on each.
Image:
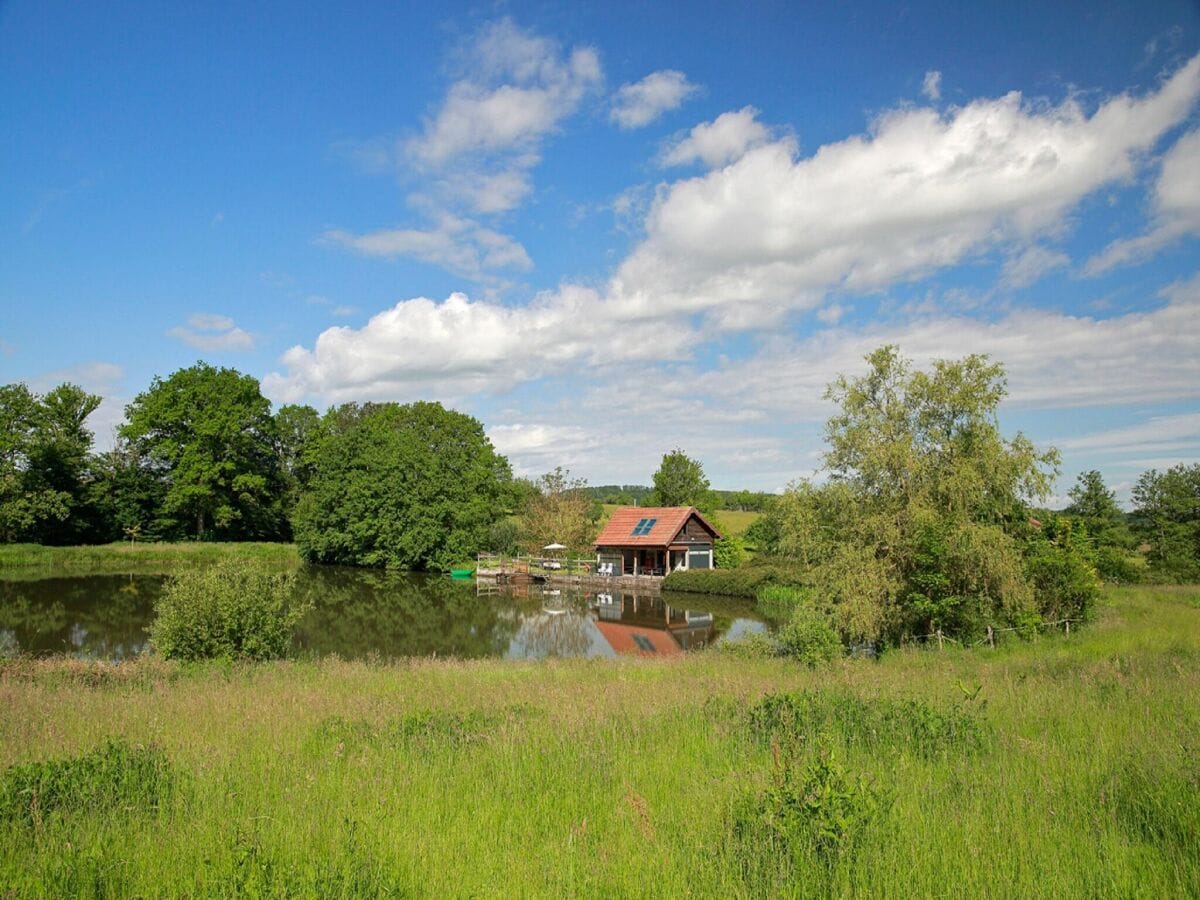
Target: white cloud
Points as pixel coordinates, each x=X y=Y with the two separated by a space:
x=921 y=192
x=1176 y=209
x=1158 y=434
x=212 y=333
x=1030 y=264
x=459 y=245
x=476 y=151
x=640 y=103
x=931 y=86
x=721 y=141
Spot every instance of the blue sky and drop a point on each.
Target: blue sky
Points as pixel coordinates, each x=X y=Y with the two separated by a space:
x=610 y=231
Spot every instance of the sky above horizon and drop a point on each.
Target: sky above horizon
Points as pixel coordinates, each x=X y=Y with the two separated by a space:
x=611 y=230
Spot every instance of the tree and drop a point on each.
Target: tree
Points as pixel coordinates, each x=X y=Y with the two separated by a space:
x=1167 y=510
x=680 y=481
x=412 y=487
x=44 y=446
x=924 y=522
x=210 y=436
x=561 y=511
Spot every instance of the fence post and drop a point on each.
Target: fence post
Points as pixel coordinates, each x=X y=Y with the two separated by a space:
x=1068 y=627
x=940 y=645
x=991 y=638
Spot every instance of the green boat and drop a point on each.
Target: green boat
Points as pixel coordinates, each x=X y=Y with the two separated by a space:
x=461 y=573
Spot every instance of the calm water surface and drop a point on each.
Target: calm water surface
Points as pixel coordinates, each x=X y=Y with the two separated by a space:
x=359 y=614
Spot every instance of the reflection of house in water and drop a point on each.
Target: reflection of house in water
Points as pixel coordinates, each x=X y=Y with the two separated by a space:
x=650 y=626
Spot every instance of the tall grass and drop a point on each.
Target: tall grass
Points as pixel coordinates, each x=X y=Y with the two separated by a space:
x=17 y=559
x=1068 y=767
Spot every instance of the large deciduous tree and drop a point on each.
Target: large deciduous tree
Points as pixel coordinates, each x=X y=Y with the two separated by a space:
x=680 y=481
x=210 y=435
x=44 y=446
x=413 y=487
x=1167 y=509
x=924 y=524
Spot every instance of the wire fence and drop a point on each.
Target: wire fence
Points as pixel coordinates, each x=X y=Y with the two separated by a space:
x=990 y=637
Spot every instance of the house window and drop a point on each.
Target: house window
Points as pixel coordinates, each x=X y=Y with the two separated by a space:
x=700 y=559
x=643 y=527
x=643 y=643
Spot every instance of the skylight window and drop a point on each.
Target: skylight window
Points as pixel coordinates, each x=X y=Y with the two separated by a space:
x=643 y=527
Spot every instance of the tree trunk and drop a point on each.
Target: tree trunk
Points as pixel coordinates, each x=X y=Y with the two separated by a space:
x=200 y=525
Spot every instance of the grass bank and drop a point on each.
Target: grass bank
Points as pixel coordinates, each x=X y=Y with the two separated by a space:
x=1068 y=767
x=124 y=557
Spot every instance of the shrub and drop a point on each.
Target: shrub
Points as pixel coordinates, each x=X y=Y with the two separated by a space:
x=743 y=581
x=235 y=609
x=1065 y=584
x=111 y=776
x=809 y=638
x=820 y=814
x=729 y=553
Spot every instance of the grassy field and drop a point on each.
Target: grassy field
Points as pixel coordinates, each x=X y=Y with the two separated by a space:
x=1069 y=767
x=126 y=557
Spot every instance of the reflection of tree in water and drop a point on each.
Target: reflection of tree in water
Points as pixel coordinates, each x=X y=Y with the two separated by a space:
x=92 y=616
x=554 y=634
x=358 y=613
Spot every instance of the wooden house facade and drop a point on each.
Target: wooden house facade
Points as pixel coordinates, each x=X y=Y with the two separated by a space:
x=655 y=540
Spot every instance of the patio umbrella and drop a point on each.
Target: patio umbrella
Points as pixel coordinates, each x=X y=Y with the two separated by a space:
x=555 y=547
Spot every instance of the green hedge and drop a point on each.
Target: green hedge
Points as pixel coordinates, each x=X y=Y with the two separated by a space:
x=744 y=581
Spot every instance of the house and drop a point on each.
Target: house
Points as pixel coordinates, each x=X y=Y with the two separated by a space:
x=654 y=540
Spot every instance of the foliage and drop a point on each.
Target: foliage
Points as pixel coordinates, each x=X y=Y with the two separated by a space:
x=920 y=525
x=1060 y=572
x=1167 y=512
x=809 y=638
x=115 y=776
x=763 y=534
x=44 y=448
x=744 y=581
x=810 y=819
x=779 y=601
x=415 y=487
x=235 y=609
x=561 y=511
x=728 y=552
x=680 y=481
x=209 y=434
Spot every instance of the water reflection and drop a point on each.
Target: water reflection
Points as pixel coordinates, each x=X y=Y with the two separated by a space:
x=359 y=614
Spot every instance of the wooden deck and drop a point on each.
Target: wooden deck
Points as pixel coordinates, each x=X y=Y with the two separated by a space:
x=530 y=569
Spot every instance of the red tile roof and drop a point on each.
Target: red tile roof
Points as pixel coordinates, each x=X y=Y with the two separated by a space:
x=671 y=519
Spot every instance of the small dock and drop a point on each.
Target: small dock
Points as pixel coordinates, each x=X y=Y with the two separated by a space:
x=501 y=569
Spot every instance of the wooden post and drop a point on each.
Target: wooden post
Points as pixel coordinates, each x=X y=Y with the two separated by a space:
x=941 y=646
x=1068 y=627
x=991 y=638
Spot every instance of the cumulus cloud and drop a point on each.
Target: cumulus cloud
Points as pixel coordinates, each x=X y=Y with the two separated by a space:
x=721 y=141
x=773 y=232
x=475 y=152
x=931 y=86
x=212 y=334
x=459 y=245
x=1176 y=209
x=101 y=378
x=920 y=192
x=640 y=103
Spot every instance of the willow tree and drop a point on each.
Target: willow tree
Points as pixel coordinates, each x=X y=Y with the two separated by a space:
x=922 y=521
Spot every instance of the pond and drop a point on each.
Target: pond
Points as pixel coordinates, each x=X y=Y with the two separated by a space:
x=359 y=614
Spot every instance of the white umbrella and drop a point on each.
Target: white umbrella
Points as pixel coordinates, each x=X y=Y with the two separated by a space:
x=555 y=547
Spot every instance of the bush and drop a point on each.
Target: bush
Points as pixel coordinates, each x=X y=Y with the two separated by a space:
x=779 y=601
x=1065 y=584
x=235 y=609
x=729 y=553
x=744 y=581
x=751 y=646
x=809 y=638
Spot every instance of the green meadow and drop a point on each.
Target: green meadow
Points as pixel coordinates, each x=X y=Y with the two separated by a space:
x=1061 y=767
